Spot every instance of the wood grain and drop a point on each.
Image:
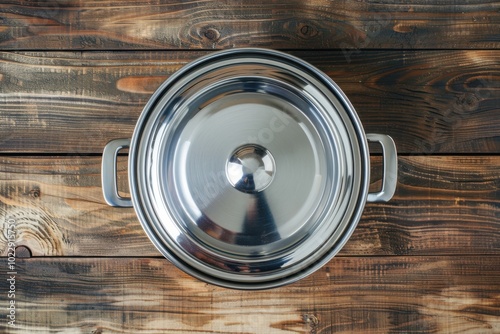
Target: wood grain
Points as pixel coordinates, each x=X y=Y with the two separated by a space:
x=318 y=24
x=429 y=102
x=443 y=205
x=417 y=294
x=59 y=209
x=76 y=74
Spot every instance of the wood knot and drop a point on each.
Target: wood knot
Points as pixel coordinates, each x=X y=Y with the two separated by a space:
x=211 y=34
x=23 y=252
x=312 y=321
x=307 y=30
x=467 y=102
x=35 y=192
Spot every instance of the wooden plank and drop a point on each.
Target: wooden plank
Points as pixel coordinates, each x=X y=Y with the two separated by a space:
x=429 y=102
x=348 y=295
x=59 y=208
x=443 y=205
x=318 y=24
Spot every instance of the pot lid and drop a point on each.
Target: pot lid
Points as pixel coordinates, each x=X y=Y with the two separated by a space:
x=248 y=168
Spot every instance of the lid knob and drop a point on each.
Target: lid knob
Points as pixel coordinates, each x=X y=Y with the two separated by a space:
x=250 y=168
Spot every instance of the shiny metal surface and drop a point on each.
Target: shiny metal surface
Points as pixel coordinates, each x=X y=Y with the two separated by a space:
x=249 y=169
x=108 y=173
x=390 y=175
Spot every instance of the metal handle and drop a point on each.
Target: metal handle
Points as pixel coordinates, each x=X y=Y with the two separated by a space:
x=109 y=171
x=390 y=177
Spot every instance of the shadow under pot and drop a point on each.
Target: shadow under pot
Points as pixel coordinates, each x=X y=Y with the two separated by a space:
x=249 y=169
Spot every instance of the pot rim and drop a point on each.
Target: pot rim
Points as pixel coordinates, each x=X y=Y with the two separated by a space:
x=138 y=195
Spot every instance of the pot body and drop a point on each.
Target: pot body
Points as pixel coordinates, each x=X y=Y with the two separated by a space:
x=249 y=169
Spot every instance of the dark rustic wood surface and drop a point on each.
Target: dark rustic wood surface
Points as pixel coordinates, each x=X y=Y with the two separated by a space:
x=406 y=294
x=75 y=74
x=317 y=24
x=429 y=102
x=444 y=204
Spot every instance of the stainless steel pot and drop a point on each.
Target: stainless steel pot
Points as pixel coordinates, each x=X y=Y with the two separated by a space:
x=249 y=169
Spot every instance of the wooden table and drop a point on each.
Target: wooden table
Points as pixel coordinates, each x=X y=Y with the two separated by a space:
x=76 y=74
